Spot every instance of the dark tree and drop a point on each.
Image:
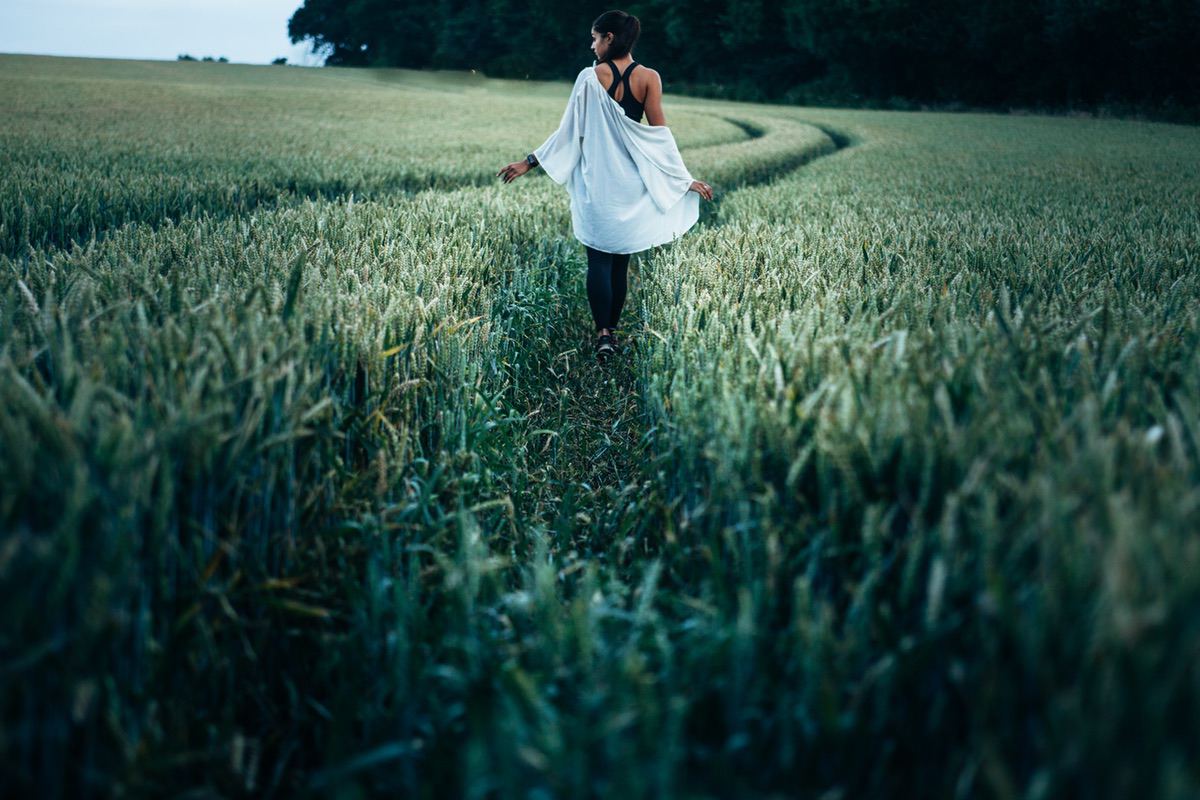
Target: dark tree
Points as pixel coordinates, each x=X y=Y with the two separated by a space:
x=997 y=53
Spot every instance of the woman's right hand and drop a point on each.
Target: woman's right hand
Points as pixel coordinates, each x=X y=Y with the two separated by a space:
x=513 y=171
x=701 y=188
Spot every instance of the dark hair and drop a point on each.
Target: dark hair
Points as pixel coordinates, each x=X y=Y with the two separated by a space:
x=624 y=28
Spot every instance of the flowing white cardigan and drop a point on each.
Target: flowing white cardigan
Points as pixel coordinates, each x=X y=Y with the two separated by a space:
x=627 y=182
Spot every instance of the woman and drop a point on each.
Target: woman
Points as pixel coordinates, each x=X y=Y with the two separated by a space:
x=629 y=188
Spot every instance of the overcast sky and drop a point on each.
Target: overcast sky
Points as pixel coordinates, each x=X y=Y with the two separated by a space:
x=245 y=31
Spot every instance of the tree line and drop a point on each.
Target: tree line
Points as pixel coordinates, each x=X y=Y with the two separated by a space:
x=1120 y=54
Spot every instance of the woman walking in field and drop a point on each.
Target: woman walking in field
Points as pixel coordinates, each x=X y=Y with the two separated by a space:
x=629 y=188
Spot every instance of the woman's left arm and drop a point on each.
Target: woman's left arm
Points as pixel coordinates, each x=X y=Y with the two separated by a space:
x=560 y=152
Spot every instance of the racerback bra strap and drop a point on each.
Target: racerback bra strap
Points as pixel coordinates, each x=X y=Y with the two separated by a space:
x=619 y=78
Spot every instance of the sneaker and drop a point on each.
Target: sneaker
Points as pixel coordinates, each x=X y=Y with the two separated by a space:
x=605 y=346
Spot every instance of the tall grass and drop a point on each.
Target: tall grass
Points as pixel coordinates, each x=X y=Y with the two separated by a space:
x=932 y=404
x=89 y=146
x=311 y=494
x=193 y=417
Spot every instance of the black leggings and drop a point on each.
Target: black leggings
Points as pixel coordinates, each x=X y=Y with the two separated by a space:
x=606 y=285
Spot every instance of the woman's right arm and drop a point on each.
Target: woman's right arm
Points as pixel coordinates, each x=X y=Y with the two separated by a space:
x=559 y=154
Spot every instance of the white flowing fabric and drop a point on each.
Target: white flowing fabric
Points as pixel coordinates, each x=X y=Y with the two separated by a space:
x=627 y=182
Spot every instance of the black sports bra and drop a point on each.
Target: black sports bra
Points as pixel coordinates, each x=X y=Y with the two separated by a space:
x=633 y=109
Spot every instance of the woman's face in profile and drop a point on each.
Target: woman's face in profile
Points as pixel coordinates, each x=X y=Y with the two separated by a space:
x=600 y=43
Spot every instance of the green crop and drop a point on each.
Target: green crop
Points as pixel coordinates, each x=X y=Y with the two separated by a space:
x=310 y=483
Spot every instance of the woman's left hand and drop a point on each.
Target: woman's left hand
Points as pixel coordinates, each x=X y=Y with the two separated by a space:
x=514 y=170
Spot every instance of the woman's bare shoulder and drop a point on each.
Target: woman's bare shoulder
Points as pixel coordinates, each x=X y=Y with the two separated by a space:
x=650 y=77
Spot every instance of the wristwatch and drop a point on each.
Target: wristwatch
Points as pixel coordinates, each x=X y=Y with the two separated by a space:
x=531 y=160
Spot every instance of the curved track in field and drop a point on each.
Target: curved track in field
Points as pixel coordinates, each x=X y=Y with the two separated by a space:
x=72 y=213
x=564 y=437
x=585 y=435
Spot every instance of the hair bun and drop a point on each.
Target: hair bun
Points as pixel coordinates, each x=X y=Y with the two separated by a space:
x=624 y=27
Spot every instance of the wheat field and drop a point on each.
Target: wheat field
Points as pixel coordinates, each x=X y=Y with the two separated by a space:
x=310 y=483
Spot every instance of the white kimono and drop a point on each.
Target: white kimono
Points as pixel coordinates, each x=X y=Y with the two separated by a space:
x=628 y=185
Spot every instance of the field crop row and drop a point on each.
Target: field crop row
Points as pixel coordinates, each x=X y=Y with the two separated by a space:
x=892 y=494
x=928 y=409
x=84 y=152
